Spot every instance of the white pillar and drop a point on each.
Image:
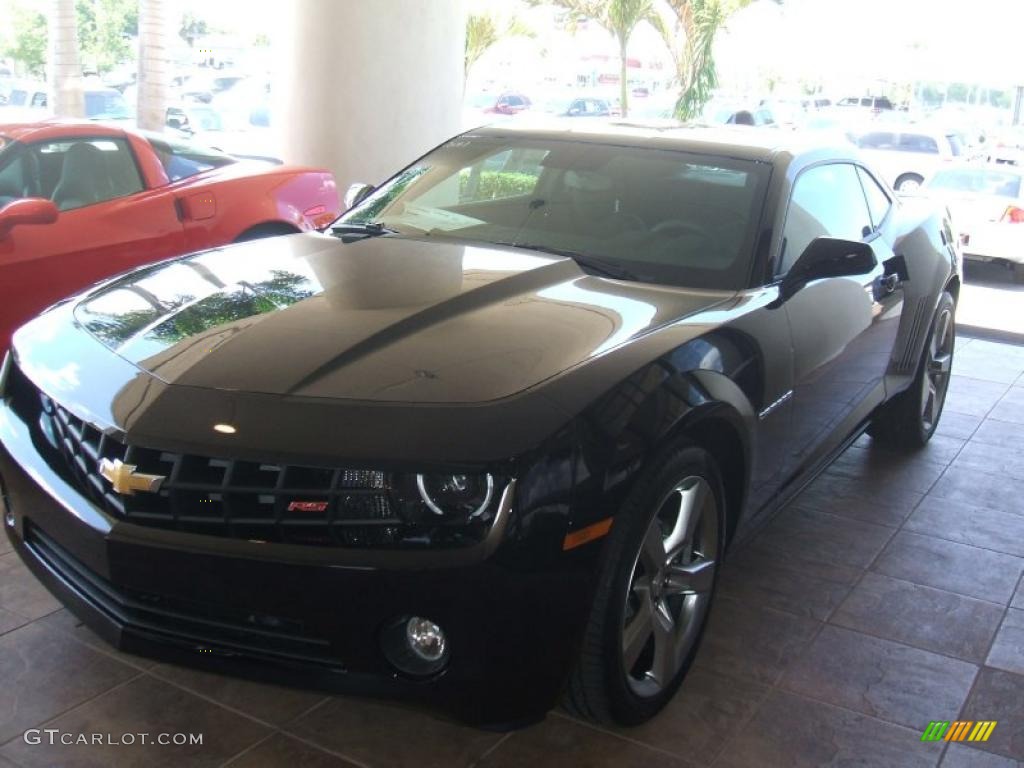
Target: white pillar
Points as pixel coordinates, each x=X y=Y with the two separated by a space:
x=154 y=63
x=363 y=87
x=63 y=66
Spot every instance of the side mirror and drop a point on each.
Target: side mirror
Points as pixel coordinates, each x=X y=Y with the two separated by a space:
x=175 y=122
x=29 y=210
x=357 y=193
x=828 y=257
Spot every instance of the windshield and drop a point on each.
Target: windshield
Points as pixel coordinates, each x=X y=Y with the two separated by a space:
x=662 y=215
x=181 y=159
x=979 y=182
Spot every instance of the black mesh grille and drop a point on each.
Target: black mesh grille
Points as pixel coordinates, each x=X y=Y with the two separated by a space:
x=216 y=496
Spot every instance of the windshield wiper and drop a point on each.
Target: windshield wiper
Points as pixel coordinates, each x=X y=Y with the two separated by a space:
x=371 y=229
x=589 y=263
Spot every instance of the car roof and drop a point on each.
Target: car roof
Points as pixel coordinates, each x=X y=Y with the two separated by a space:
x=741 y=142
x=58 y=128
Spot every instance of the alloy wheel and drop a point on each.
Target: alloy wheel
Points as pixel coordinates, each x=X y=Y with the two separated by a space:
x=670 y=588
x=938 y=365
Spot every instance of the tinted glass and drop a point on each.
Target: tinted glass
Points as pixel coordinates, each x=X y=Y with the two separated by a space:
x=878 y=140
x=75 y=173
x=827 y=201
x=918 y=142
x=956 y=146
x=979 y=181
x=109 y=105
x=877 y=197
x=181 y=159
x=666 y=216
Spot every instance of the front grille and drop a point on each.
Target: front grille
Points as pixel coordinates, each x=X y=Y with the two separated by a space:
x=286 y=503
x=189 y=624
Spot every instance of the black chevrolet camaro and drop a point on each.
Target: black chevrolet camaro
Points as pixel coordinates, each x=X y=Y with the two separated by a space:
x=484 y=445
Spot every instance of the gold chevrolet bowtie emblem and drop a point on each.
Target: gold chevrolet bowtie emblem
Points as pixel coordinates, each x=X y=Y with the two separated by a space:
x=126 y=480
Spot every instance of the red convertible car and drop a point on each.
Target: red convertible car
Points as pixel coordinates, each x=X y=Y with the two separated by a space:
x=80 y=202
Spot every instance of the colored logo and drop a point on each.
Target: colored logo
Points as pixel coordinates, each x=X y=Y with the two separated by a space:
x=958 y=730
x=126 y=481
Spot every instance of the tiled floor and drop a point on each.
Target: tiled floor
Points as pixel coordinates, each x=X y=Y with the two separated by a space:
x=888 y=595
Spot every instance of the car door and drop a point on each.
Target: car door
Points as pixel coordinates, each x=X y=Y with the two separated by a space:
x=843 y=329
x=108 y=223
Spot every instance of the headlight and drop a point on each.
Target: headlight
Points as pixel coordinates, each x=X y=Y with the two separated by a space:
x=456 y=495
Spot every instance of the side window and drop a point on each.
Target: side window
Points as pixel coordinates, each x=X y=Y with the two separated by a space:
x=917 y=142
x=38 y=99
x=877 y=140
x=78 y=172
x=511 y=173
x=878 y=201
x=827 y=201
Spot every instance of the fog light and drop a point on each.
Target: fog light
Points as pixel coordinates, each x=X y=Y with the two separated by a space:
x=416 y=646
x=426 y=639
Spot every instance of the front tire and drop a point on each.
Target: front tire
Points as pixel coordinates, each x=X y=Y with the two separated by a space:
x=656 y=586
x=908 y=421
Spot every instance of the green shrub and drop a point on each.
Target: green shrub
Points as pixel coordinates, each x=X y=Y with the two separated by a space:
x=493 y=185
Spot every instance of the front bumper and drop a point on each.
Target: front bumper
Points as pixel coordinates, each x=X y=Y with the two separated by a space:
x=257 y=610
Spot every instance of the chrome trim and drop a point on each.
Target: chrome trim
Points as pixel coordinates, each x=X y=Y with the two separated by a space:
x=767 y=411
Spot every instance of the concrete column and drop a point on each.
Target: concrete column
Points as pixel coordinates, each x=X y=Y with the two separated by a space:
x=67 y=99
x=154 y=63
x=363 y=87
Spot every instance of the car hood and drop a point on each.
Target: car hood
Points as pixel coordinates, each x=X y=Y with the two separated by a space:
x=379 y=319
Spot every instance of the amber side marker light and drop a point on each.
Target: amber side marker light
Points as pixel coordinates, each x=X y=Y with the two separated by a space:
x=584 y=535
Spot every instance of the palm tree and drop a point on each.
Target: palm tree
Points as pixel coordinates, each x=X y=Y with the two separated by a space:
x=65 y=68
x=154 y=64
x=619 y=18
x=689 y=33
x=483 y=31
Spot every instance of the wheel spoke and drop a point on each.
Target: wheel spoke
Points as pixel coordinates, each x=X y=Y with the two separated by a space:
x=693 y=578
x=691 y=500
x=652 y=555
x=929 y=401
x=664 y=665
x=940 y=363
x=637 y=632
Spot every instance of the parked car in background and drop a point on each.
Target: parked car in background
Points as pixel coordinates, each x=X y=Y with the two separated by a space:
x=907 y=156
x=82 y=201
x=234 y=134
x=873 y=104
x=489 y=106
x=486 y=447
x=987 y=205
x=24 y=93
x=573 y=106
x=737 y=113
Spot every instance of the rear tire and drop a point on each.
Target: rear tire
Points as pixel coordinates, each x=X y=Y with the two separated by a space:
x=908 y=421
x=656 y=586
x=908 y=182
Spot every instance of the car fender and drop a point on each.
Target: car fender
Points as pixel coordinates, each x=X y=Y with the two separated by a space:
x=627 y=427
